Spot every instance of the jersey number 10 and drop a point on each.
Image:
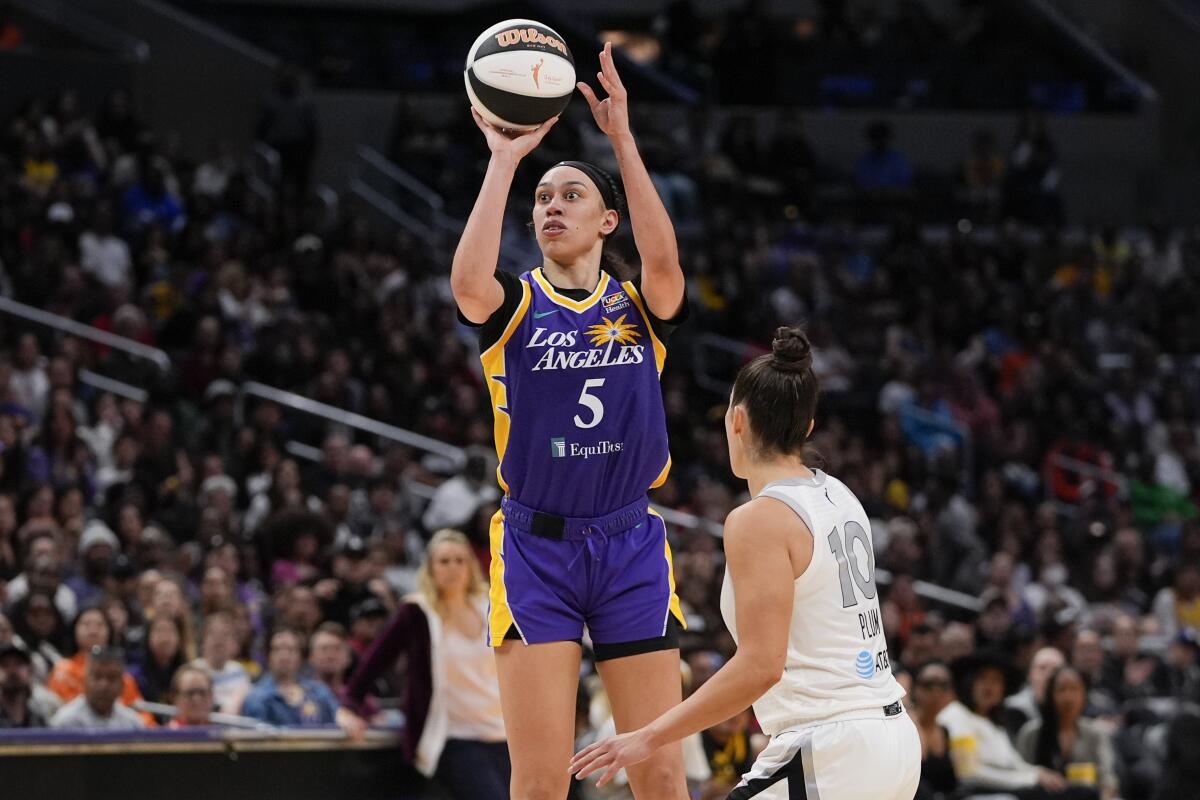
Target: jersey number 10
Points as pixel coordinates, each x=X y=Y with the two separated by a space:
x=850 y=573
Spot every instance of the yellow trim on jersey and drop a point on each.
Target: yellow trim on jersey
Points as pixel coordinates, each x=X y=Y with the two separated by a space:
x=676 y=609
x=493 y=368
x=500 y=617
x=566 y=302
x=662 y=476
x=660 y=349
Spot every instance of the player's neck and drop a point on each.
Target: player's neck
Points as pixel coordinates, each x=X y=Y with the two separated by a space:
x=762 y=474
x=583 y=273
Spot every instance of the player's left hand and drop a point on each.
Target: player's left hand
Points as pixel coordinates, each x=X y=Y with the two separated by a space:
x=611 y=113
x=611 y=755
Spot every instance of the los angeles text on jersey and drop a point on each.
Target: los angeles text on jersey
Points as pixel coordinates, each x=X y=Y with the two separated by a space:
x=559 y=356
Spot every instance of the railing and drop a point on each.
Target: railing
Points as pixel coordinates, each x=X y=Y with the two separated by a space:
x=454 y=455
x=86 y=27
x=1089 y=46
x=113 y=386
x=73 y=328
x=408 y=203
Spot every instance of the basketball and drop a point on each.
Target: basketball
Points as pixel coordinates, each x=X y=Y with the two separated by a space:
x=519 y=74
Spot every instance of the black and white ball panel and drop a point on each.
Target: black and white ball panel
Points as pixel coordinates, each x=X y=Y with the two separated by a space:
x=519 y=74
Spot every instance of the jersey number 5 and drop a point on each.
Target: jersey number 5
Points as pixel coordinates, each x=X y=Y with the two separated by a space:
x=592 y=403
x=850 y=572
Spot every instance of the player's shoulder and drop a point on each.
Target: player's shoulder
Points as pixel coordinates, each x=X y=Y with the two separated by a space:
x=761 y=522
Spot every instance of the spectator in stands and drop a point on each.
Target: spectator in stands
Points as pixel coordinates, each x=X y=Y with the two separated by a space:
x=163 y=657
x=1031 y=191
x=1178 y=605
x=984 y=758
x=192 y=694
x=1063 y=741
x=231 y=683
x=933 y=690
x=98 y=707
x=29 y=384
x=351 y=583
x=297 y=536
x=288 y=123
x=882 y=167
x=43 y=571
x=41 y=629
x=104 y=255
x=17 y=707
x=329 y=656
x=367 y=621
x=1183 y=666
x=150 y=202
x=458 y=732
x=1025 y=706
x=92 y=633
x=455 y=502
x=97 y=548
x=283 y=696
x=983 y=175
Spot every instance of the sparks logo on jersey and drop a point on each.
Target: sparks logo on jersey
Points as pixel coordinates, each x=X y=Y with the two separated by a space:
x=609 y=331
x=617 y=301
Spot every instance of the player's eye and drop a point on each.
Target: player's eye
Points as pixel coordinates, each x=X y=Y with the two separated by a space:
x=572 y=195
x=543 y=198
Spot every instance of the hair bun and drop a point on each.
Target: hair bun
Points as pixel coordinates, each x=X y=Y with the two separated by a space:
x=791 y=350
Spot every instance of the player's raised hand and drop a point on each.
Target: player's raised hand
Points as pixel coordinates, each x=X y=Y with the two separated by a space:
x=611 y=755
x=611 y=113
x=515 y=144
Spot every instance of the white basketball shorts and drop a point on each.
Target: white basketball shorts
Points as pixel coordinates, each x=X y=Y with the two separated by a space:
x=855 y=759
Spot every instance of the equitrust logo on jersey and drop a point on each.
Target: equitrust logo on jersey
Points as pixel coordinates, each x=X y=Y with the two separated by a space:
x=560 y=448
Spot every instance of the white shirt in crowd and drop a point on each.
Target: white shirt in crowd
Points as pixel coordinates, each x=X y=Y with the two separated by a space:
x=106 y=258
x=981 y=751
x=78 y=714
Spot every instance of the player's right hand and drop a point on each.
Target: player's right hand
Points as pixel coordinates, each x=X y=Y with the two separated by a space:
x=513 y=144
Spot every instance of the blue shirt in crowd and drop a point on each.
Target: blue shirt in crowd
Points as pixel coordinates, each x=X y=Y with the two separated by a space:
x=317 y=707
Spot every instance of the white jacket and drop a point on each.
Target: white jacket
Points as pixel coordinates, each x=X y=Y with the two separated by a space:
x=983 y=756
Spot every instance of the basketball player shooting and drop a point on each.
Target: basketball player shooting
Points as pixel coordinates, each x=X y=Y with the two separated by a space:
x=572 y=351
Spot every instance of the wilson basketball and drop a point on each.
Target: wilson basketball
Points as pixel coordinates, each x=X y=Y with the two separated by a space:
x=519 y=74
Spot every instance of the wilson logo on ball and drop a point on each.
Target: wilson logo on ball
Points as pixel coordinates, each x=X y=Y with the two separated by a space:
x=529 y=36
x=519 y=73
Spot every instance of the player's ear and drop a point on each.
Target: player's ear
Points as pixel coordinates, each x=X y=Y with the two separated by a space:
x=741 y=422
x=609 y=221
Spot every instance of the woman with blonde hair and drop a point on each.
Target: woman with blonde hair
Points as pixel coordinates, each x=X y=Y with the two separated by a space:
x=455 y=730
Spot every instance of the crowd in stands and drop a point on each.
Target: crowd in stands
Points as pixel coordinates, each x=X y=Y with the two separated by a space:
x=1018 y=412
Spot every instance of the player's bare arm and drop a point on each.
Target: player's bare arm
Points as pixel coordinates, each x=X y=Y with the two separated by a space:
x=472 y=274
x=658 y=251
x=762 y=567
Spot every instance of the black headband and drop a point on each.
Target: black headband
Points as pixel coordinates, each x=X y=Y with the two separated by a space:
x=604 y=182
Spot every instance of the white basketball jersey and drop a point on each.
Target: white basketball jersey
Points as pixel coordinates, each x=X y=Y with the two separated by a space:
x=837 y=660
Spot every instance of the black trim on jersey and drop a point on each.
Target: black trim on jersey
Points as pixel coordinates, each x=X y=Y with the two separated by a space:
x=515 y=635
x=607 y=652
x=793 y=771
x=491 y=330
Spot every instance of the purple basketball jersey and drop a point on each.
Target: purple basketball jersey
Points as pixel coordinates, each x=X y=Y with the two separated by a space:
x=580 y=427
